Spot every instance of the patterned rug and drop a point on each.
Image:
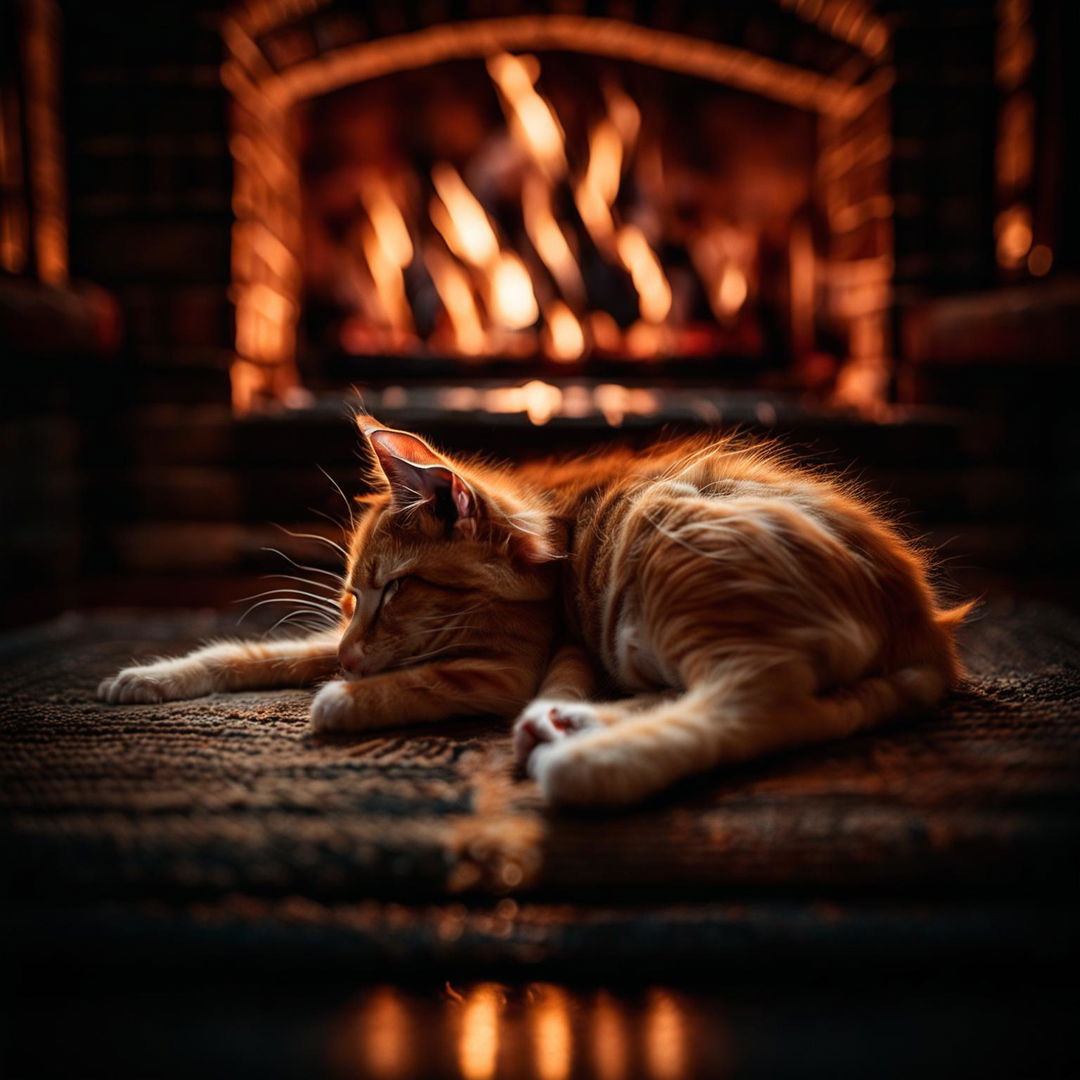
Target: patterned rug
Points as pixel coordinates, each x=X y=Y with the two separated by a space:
x=227 y=812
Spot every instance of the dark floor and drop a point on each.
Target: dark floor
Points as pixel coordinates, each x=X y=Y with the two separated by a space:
x=785 y=1023
x=202 y=888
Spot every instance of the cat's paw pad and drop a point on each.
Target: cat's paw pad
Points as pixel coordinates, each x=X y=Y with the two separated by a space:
x=550 y=722
x=146 y=686
x=333 y=708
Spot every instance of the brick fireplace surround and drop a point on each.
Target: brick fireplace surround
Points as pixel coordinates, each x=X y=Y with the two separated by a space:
x=233 y=896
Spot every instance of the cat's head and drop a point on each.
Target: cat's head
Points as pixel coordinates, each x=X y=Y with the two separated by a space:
x=442 y=554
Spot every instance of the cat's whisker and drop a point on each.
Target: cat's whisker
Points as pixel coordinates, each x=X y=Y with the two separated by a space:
x=304 y=581
x=337 y=488
x=299 y=606
x=314 y=536
x=301 y=566
x=304 y=622
x=322 y=601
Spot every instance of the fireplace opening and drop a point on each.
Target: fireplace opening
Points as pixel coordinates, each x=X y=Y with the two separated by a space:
x=577 y=205
x=546 y=214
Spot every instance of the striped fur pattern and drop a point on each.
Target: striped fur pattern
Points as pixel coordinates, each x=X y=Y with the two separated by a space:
x=643 y=616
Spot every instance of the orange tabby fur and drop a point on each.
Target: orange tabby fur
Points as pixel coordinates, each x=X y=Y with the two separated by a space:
x=721 y=602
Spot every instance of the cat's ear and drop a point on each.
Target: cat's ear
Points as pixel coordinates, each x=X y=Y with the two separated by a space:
x=420 y=479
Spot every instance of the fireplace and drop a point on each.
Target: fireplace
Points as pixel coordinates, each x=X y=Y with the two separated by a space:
x=841 y=223
x=569 y=202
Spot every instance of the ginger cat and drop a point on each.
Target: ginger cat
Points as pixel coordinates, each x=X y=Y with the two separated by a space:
x=644 y=616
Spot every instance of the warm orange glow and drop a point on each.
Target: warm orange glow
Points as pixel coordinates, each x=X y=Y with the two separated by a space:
x=540 y=401
x=267 y=179
x=46 y=159
x=389 y=283
x=595 y=194
x=616 y=402
x=731 y=290
x=461 y=220
x=665 y=1037
x=563 y=337
x=549 y=239
x=513 y=304
x=552 y=1044
x=624 y=114
x=457 y=299
x=478 y=1039
x=1013 y=231
x=382 y=1035
x=610 y=1049
x=387 y=221
x=532 y=120
x=617 y=38
x=722 y=255
x=654 y=292
x=605 y=331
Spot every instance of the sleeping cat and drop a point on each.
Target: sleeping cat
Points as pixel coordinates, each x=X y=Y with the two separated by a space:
x=644 y=616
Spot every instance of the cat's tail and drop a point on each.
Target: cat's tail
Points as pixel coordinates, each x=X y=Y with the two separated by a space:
x=621 y=761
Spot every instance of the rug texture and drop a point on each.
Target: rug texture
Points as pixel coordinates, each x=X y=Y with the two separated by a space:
x=227 y=809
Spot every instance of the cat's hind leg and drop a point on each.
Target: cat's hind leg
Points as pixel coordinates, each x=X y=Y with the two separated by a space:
x=230 y=665
x=735 y=717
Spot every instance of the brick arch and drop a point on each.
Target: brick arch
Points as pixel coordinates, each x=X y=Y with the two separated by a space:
x=281 y=52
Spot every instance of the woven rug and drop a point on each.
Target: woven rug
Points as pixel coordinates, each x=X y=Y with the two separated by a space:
x=226 y=811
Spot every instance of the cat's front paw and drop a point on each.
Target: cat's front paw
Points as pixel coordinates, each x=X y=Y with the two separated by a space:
x=545 y=721
x=334 y=708
x=152 y=683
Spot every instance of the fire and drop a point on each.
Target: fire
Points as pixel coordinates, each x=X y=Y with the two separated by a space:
x=387 y=221
x=532 y=119
x=595 y=194
x=513 y=304
x=388 y=281
x=731 y=291
x=654 y=292
x=721 y=255
x=456 y=295
x=565 y=339
x=497 y=299
x=460 y=218
x=548 y=238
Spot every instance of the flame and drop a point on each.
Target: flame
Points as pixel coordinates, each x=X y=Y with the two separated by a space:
x=721 y=254
x=548 y=238
x=456 y=295
x=387 y=221
x=654 y=292
x=460 y=219
x=513 y=304
x=533 y=122
x=595 y=194
x=389 y=282
x=731 y=291
x=564 y=338
x=605 y=331
x=623 y=113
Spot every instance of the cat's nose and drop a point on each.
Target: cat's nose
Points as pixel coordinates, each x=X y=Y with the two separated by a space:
x=351 y=658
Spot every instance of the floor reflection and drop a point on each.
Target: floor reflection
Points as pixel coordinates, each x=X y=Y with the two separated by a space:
x=539 y=1030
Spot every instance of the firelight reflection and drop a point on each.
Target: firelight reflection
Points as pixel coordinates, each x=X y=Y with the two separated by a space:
x=538 y=1031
